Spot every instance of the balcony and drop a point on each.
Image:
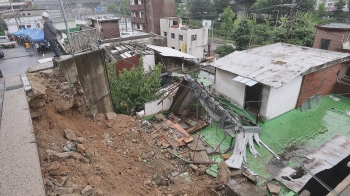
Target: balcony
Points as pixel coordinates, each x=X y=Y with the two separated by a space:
x=137 y=8
x=138 y=20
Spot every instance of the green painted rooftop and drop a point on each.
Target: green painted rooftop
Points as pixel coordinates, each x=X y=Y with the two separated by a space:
x=297 y=131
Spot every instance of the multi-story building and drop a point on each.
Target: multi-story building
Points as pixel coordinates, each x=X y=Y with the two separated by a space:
x=190 y=40
x=145 y=14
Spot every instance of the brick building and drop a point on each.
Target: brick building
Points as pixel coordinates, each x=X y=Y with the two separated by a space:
x=108 y=27
x=332 y=36
x=271 y=80
x=336 y=37
x=146 y=14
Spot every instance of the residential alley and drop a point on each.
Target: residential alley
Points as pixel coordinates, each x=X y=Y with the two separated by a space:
x=16 y=60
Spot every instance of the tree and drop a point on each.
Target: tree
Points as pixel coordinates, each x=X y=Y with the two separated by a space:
x=224 y=50
x=199 y=7
x=262 y=33
x=125 y=7
x=302 y=31
x=338 y=12
x=132 y=89
x=321 y=9
x=112 y=8
x=241 y=34
x=220 y=5
x=122 y=8
x=227 y=20
x=179 y=9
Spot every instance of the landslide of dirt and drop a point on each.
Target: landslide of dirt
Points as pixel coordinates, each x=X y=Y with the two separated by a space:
x=107 y=154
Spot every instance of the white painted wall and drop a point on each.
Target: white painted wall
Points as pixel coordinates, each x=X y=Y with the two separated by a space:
x=12 y=25
x=194 y=48
x=148 y=61
x=61 y=25
x=281 y=100
x=226 y=86
x=153 y=107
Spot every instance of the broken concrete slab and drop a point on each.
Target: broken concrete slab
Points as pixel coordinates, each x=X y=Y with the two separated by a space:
x=111 y=116
x=87 y=191
x=274 y=188
x=236 y=173
x=81 y=148
x=60 y=157
x=245 y=189
x=69 y=134
x=63 y=190
x=199 y=156
x=196 y=145
x=250 y=176
x=43 y=65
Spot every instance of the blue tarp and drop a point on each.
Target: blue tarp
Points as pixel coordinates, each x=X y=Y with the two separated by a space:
x=18 y=33
x=36 y=35
x=27 y=31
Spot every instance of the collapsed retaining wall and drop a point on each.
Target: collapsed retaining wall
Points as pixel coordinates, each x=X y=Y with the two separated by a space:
x=90 y=70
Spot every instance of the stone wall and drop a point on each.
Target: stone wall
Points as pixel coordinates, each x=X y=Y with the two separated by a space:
x=90 y=70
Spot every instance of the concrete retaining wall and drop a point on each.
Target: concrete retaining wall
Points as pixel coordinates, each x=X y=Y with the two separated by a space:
x=90 y=70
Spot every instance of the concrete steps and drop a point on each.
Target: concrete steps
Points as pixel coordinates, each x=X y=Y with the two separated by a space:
x=20 y=172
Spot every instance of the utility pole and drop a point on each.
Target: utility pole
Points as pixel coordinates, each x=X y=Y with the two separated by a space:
x=14 y=15
x=65 y=22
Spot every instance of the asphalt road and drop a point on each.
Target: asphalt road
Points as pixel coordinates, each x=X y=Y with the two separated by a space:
x=17 y=60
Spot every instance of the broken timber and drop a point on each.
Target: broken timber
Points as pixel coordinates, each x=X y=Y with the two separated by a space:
x=245 y=135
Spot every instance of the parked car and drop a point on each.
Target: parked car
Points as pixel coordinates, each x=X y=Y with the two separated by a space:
x=1 y=52
x=5 y=42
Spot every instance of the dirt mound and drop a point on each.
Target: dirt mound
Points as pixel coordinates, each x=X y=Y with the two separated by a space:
x=106 y=154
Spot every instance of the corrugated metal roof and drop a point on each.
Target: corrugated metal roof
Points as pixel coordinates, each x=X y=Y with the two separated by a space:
x=277 y=64
x=325 y=157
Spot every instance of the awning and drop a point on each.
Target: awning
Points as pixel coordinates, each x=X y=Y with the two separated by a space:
x=246 y=81
x=165 y=51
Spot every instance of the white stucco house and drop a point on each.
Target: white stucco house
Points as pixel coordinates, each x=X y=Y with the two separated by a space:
x=277 y=78
x=190 y=40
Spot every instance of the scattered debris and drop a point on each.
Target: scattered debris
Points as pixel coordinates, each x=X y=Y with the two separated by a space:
x=224 y=174
x=334 y=98
x=87 y=191
x=69 y=134
x=274 y=188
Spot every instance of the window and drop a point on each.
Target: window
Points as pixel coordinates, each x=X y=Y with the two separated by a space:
x=180 y=50
x=172 y=36
x=29 y=26
x=165 y=34
x=325 y=44
x=173 y=47
x=181 y=37
x=28 y=14
x=194 y=37
x=138 y=26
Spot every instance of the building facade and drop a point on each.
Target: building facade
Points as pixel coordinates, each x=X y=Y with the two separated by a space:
x=186 y=39
x=336 y=37
x=270 y=80
x=145 y=14
x=108 y=27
